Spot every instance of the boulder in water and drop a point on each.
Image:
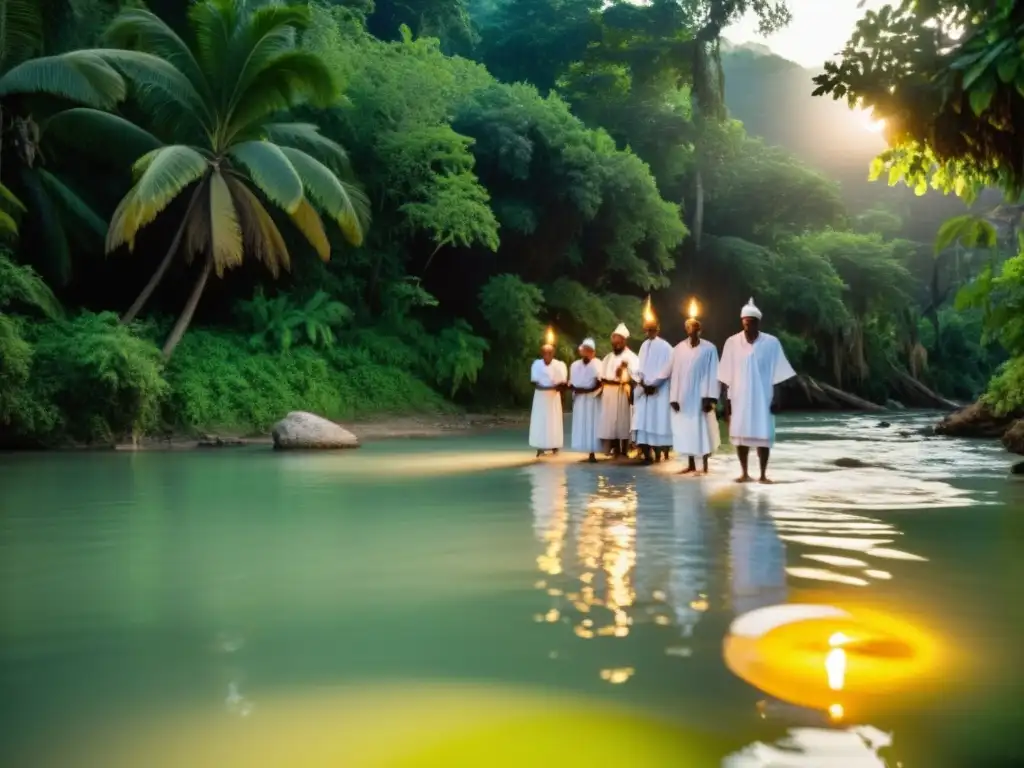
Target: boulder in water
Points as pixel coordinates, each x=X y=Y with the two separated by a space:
x=1017 y=469
x=976 y=420
x=306 y=431
x=884 y=424
x=1013 y=438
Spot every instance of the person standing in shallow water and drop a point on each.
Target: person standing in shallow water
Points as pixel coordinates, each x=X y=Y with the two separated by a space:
x=585 y=382
x=618 y=372
x=693 y=395
x=550 y=378
x=653 y=425
x=752 y=367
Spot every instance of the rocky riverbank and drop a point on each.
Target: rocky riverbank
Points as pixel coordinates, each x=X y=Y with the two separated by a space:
x=385 y=427
x=978 y=420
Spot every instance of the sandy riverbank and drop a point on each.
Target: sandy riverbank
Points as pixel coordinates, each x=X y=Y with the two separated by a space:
x=381 y=428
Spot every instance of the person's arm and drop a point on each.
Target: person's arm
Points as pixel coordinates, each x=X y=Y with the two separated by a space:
x=711 y=384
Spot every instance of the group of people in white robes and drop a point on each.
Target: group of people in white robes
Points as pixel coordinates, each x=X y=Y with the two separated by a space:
x=666 y=398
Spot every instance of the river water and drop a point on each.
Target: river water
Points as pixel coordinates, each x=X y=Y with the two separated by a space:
x=455 y=602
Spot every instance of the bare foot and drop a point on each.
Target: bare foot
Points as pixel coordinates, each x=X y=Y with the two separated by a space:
x=745 y=479
x=539 y=454
x=687 y=471
x=766 y=481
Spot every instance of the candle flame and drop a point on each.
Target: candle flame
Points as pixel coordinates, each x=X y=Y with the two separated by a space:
x=649 y=316
x=549 y=337
x=694 y=309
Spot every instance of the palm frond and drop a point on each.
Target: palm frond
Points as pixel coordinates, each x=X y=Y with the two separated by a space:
x=312 y=228
x=225 y=230
x=267 y=33
x=197 y=228
x=307 y=137
x=8 y=226
x=290 y=79
x=141 y=30
x=9 y=199
x=271 y=172
x=81 y=76
x=262 y=237
x=168 y=171
x=212 y=23
x=21 y=29
x=158 y=83
x=54 y=258
x=73 y=205
x=117 y=137
x=346 y=204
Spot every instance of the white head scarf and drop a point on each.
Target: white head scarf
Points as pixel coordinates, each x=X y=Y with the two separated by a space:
x=589 y=344
x=621 y=330
x=751 y=310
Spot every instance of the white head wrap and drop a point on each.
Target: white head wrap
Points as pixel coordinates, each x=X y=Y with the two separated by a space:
x=751 y=310
x=589 y=344
x=621 y=330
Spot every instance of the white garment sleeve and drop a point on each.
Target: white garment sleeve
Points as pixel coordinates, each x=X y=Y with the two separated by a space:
x=711 y=387
x=725 y=365
x=534 y=373
x=673 y=387
x=781 y=370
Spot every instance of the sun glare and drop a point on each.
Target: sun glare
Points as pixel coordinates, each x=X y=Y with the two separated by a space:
x=867 y=119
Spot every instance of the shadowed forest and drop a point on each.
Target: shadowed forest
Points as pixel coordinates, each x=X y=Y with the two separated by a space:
x=217 y=213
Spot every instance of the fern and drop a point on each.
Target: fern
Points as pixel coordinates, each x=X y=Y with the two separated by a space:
x=279 y=324
x=22 y=289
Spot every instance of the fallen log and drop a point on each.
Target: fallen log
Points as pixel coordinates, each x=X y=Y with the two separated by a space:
x=817 y=395
x=916 y=394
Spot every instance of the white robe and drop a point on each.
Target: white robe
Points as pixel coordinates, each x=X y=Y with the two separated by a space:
x=653 y=425
x=694 y=377
x=751 y=371
x=616 y=414
x=546 y=431
x=585 y=407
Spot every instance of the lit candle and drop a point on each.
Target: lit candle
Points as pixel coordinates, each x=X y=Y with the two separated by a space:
x=549 y=337
x=693 y=310
x=649 y=316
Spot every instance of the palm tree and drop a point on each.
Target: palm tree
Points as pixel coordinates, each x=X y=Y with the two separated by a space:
x=83 y=77
x=213 y=100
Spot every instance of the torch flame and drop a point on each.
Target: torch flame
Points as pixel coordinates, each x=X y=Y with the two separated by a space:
x=649 y=313
x=549 y=337
x=694 y=309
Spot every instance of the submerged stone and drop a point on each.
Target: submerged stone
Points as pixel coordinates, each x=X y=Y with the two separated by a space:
x=307 y=431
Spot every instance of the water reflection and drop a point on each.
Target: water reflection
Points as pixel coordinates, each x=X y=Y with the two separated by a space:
x=757 y=557
x=856 y=747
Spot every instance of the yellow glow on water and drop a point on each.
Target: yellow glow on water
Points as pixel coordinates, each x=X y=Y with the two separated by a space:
x=806 y=659
x=836 y=712
x=405 y=725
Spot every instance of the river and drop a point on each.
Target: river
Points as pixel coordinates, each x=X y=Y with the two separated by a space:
x=421 y=602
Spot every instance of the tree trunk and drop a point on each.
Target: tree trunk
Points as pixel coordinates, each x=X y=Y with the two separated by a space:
x=161 y=270
x=698 y=211
x=190 y=309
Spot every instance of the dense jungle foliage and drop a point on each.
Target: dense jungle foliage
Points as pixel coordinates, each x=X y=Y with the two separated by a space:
x=358 y=208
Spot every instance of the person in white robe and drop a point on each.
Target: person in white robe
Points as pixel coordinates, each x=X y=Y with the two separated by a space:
x=585 y=383
x=550 y=378
x=693 y=395
x=653 y=424
x=618 y=372
x=752 y=367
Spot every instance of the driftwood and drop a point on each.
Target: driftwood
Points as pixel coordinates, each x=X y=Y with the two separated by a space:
x=916 y=395
x=812 y=394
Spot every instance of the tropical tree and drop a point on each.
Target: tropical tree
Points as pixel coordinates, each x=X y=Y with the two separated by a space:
x=31 y=86
x=212 y=103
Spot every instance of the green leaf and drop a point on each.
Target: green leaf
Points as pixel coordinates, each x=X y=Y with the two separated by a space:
x=22 y=29
x=1008 y=66
x=981 y=96
x=346 y=204
x=84 y=127
x=80 y=76
x=71 y=203
x=271 y=171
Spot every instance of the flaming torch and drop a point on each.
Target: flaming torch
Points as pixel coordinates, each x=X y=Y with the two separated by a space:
x=693 y=310
x=649 y=317
x=549 y=337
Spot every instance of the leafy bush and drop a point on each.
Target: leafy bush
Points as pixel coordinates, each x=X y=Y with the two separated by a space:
x=1006 y=390
x=279 y=323
x=217 y=381
x=104 y=380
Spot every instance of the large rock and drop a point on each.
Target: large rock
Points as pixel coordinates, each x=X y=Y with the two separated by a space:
x=975 y=420
x=1013 y=438
x=302 y=431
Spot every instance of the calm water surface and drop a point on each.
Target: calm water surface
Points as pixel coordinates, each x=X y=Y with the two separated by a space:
x=241 y=608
